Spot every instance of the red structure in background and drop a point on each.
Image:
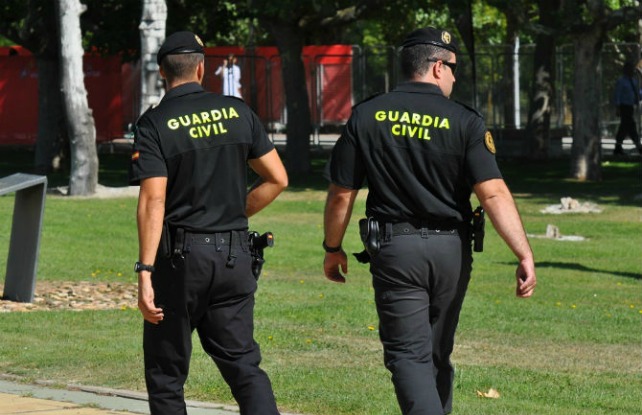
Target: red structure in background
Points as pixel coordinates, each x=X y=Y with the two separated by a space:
x=114 y=88
x=19 y=96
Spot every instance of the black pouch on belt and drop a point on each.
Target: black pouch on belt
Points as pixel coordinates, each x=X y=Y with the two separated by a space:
x=369 y=232
x=479 y=223
x=178 y=259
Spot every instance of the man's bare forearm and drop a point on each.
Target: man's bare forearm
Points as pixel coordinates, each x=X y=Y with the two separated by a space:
x=338 y=210
x=502 y=211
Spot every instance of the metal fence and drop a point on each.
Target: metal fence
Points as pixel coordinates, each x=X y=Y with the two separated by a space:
x=344 y=75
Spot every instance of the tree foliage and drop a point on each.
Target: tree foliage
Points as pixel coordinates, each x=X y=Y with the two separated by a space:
x=111 y=26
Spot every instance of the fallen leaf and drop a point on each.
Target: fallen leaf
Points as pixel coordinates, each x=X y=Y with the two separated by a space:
x=492 y=394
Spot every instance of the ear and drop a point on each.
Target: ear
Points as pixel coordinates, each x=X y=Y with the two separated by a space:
x=436 y=69
x=162 y=72
x=200 y=71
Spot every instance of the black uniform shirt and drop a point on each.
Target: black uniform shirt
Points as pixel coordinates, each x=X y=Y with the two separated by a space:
x=201 y=142
x=420 y=152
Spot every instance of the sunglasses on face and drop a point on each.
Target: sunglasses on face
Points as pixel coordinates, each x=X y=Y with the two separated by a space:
x=451 y=65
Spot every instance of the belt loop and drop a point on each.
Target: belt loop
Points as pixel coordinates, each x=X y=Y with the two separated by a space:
x=187 y=245
x=424 y=232
x=217 y=241
x=231 y=259
x=179 y=240
x=388 y=231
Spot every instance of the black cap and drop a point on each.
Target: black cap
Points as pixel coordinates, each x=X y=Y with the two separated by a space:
x=178 y=43
x=431 y=36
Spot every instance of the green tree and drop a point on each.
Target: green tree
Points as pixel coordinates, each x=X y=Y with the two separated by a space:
x=541 y=95
x=33 y=25
x=108 y=26
x=80 y=121
x=291 y=23
x=588 y=25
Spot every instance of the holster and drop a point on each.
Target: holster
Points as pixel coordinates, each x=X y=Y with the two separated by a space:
x=478 y=229
x=257 y=244
x=369 y=233
x=172 y=245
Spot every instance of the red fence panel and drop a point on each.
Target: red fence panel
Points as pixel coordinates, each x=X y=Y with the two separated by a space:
x=114 y=88
x=19 y=96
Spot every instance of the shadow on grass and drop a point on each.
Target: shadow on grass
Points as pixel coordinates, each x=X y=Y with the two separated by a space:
x=583 y=268
x=621 y=183
x=112 y=168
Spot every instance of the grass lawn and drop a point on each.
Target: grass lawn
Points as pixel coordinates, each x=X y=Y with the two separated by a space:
x=575 y=348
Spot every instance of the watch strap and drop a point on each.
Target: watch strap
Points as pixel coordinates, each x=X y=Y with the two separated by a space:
x=139 y=266
x=330 y=249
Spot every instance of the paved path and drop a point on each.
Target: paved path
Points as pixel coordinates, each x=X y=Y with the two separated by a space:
x=26 y=399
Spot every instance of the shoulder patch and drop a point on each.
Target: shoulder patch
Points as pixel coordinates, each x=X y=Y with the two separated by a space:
x=489 y=142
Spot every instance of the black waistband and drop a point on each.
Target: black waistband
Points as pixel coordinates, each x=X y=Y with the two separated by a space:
x=237 y=238
x=423 y=228
x=405 y=228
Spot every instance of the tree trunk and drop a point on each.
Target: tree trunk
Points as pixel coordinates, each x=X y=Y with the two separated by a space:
x=542 y=89
x=40 y=34
x=51 y=144
x=152 y=34
x=586 y=149
x=80 y=122
x=299 y=125
x=508 y=84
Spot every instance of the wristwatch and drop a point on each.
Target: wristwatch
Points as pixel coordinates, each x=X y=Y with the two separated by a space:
x=331 y=249
x=139 y=266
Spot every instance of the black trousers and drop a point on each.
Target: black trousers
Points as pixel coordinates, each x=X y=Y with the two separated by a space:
x=419 y=284
x=627 y=128
x=205 y=293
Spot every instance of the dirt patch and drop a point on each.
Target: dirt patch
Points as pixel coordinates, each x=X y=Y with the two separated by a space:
x=77 y=295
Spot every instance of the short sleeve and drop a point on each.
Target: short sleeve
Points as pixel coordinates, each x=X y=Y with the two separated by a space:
x=261 y=144
x=346 y=165
x=147 y=158
x=481 y=164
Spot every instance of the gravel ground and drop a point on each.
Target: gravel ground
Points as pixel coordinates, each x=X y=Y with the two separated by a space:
x=80 y=295
x=76 y=295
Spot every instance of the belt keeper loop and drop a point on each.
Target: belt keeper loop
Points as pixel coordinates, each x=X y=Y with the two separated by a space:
x=388 y=236
x=187 y=246
x=231 y=259
x=179 y=241
x=424 y=232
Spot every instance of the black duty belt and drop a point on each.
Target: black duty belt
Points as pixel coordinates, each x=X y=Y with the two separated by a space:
x=228 y=238
x=232 y=239
x=407 y=228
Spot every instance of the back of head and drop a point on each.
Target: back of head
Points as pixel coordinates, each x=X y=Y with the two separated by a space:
x=178 y=67
x=422 y=47
x=180 y=54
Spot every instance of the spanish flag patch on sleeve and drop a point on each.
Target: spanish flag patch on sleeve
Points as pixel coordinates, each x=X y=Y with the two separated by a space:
x=135 y=155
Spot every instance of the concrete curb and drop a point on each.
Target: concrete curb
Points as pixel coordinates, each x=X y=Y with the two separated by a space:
x=94 y=397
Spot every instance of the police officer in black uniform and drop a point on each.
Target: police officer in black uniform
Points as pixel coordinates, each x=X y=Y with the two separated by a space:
x=190 y=158
x=422 y=155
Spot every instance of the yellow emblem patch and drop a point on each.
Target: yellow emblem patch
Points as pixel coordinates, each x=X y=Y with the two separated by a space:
x=445 y=37
x=490 y=144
